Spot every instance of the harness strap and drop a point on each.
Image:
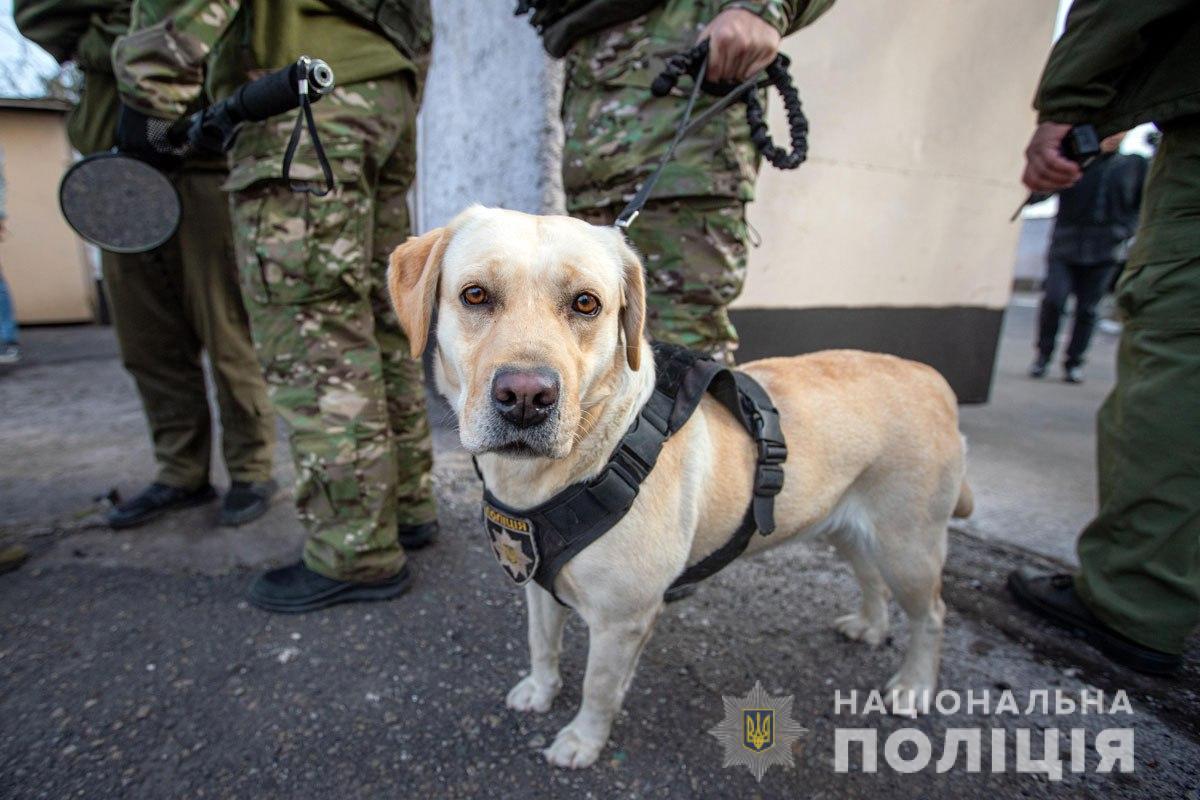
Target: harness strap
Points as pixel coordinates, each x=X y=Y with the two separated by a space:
x=552 y=533
x=761 y=419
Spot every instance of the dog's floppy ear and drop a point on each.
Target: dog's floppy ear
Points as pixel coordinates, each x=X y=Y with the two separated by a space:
x=633 y=303
x=413 y=275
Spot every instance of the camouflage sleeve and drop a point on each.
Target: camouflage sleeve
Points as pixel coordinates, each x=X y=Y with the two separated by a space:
x=159 y=65
x=787 y=16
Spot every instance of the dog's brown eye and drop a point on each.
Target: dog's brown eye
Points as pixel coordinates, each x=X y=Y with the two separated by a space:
x=474 y=295
x=587 y=304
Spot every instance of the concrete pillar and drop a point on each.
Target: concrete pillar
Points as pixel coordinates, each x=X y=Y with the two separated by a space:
x=489 y=120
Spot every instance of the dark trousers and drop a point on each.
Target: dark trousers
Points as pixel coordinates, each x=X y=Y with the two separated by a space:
x=168 y=306
x=1087 y=282
x=1140 y=556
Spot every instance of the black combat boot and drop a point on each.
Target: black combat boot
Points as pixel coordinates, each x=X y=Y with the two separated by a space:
x=154 y=501
x=414 y=537
x=1052 y=597
x=246 y=501
x=297 y=589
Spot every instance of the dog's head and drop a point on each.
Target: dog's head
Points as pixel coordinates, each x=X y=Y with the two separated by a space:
x=538 y=319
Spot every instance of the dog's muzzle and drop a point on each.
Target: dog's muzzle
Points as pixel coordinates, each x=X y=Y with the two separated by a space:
x=525 y=398
x=525 y=410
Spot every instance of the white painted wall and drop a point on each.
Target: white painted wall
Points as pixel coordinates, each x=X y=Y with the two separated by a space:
x=920 y=113
x=483 y=119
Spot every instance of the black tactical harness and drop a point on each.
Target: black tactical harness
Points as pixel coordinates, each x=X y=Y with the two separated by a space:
x=535 y=544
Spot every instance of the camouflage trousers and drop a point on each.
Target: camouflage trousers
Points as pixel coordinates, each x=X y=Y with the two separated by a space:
x=694 y=251
x=314 y=278
x=692 y=235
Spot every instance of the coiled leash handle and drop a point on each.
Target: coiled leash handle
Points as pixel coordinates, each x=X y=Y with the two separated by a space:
x=694 y=62
x=689 y=62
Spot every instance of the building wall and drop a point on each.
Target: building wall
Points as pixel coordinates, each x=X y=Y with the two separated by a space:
x=895 y=234
x=42 y=259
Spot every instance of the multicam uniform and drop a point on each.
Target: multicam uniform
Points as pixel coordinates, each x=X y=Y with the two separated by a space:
x=313 y=269
x=179 y=299
x=692 y=234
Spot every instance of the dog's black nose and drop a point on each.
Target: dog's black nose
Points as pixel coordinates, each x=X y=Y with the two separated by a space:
x=525 y=397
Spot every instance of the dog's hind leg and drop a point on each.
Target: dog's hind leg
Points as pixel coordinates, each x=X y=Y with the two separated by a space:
x=914 y=575
x=537 y=690
x=870 y=623
x=613 y=650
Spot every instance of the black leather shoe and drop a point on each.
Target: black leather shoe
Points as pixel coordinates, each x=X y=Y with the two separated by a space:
x=414 y=537
x=297 y=589
x=154 y=501
x=1052 y=597
x=246 y=501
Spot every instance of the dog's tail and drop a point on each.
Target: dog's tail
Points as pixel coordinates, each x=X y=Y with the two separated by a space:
x=966 y=501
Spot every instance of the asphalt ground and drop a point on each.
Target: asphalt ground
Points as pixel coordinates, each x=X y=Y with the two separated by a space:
x=131 y=666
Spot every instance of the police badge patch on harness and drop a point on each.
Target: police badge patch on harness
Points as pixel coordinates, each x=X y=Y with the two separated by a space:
x=513 y=543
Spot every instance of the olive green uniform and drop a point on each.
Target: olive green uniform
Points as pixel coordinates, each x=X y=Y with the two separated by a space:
x=692 y=234
x=313 y=269
x=1120 y=63
x=170 y=305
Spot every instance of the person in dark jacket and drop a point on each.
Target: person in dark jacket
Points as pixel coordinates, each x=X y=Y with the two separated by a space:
x=1096 y=217
x=1136 y=595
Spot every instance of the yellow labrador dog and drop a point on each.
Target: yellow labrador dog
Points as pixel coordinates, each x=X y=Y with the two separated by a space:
x=544 y=315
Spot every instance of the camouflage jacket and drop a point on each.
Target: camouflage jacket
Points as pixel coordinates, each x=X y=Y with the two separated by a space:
x=178 y=51
x=616 y=130
x=82 y=31
x=562 y=23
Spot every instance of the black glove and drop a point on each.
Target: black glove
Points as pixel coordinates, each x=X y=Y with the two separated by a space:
x=150 y=139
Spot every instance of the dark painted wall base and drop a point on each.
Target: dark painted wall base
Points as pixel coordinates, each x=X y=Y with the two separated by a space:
x=958 y=341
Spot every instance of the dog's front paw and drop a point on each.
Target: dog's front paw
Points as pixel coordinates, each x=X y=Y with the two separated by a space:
x=860 y=629
x=531 y=695
x=907 y=697
x=572 y=751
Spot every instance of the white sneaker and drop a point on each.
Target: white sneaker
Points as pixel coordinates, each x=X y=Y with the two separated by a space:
x=10 y=354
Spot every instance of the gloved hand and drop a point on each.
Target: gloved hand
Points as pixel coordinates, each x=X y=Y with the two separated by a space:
x=149 y=138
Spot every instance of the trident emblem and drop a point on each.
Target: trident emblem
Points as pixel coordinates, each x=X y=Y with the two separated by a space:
x=760 y=728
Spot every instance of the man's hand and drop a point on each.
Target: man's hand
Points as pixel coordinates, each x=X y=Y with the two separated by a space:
x=1046 y=168
x=739 y=44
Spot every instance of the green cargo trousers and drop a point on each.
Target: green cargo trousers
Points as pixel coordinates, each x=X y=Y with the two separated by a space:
x=167 y=306
x=314 y=278
x=1140 y=556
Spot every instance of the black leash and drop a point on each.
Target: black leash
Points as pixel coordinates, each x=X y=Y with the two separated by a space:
x=694 y=62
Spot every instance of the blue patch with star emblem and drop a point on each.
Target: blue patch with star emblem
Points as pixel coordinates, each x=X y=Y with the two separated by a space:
x=513 y=543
